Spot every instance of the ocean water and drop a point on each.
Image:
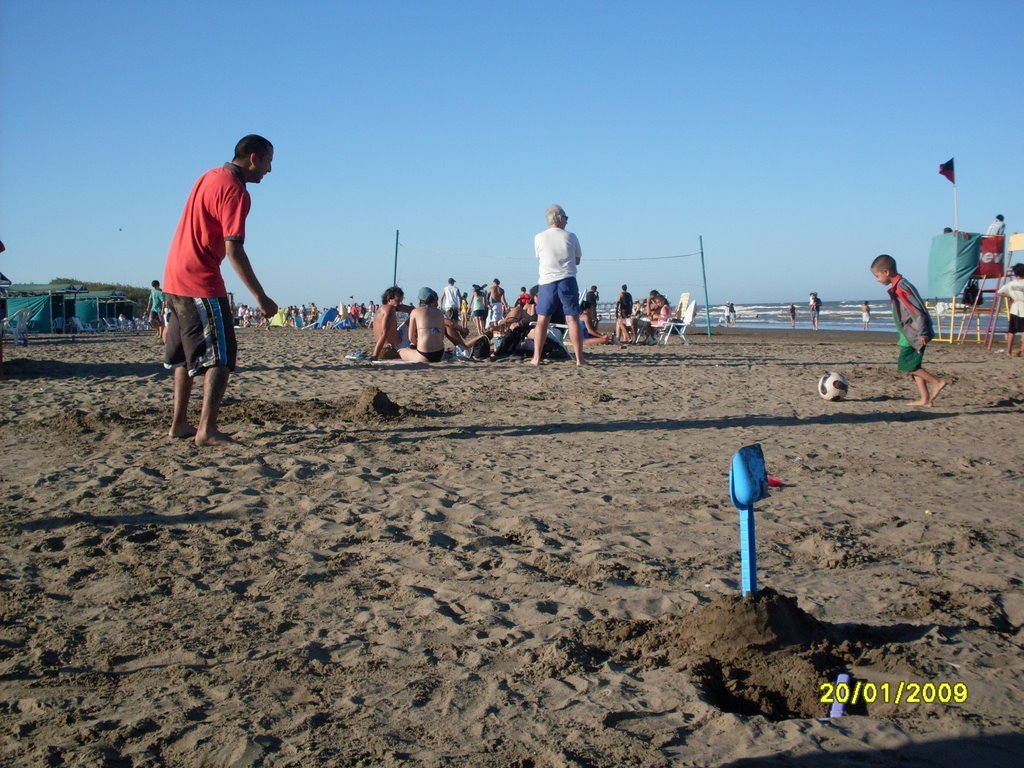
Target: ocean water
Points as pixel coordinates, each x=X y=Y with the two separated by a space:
x=835 y=315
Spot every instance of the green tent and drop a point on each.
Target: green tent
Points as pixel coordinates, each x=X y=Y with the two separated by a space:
x=953 y=260
x=48 y=311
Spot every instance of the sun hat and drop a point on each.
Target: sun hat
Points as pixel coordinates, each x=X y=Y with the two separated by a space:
x=426 y=294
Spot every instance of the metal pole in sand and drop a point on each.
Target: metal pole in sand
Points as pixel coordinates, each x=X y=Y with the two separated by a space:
x=394 y=275
x=704 y=277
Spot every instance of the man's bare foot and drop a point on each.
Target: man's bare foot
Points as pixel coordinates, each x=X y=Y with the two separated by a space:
x=935 y=391
x=920 y=403
x=214 y=437
x=186 y=430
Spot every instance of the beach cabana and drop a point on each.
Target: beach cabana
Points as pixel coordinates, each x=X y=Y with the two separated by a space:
x=100 y=309
x=49 y=306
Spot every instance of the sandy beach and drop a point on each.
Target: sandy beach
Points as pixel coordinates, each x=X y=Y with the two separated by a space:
x=485 y=564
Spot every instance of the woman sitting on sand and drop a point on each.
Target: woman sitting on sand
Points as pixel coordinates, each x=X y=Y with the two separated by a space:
x=426 y=330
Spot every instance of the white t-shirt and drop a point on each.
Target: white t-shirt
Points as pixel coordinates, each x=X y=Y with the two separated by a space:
x=450 y=297
x=1014 y=290
x=557 y=251
x=997 y=227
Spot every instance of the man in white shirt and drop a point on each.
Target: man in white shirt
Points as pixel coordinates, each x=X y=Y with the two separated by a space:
x=450 y=301
x=558 y=253
x=997 y=227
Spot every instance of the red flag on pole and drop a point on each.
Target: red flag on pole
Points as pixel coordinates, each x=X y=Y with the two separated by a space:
x=946 y=169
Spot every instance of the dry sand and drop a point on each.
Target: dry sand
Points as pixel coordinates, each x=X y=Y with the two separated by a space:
x=509 y=567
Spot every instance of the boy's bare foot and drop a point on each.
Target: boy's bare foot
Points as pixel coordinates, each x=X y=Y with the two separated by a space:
x=215 y=437
x=186 y=430
x=935 y=391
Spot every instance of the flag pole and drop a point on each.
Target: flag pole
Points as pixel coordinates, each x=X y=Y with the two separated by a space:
x=956 y=212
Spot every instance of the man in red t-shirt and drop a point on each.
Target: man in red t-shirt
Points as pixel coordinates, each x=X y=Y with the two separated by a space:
x=200 y=335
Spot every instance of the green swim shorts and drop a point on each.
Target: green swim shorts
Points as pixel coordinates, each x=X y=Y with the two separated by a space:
x=910 y=359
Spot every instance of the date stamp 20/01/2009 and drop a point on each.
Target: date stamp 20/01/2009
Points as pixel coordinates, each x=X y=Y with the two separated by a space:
x=903 y=692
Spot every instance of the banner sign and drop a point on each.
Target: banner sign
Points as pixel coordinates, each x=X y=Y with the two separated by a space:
x=990 y=263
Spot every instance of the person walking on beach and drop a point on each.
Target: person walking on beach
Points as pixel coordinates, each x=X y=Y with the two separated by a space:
x=590 y=299
x=1014 y=291
x=478 y=308
x=497 y=302
x=914 y=325
x=155 y=309
x=792 y=315
x=450 y=298
x=623 y=313
x=558 y=254
x=865 y=314
x=200 y=337
x=814 y=305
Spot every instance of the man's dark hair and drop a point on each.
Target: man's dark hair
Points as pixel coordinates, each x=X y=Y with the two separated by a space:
x=394 y=292
x=1018 y=270
x=155 y=283
x=250 y=144
x=884 y=262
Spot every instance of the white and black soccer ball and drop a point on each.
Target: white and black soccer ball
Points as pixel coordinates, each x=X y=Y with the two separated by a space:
x=833 y=386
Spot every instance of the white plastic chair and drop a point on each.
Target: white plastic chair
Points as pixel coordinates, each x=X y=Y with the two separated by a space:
x=18 y=324
x=679 y=327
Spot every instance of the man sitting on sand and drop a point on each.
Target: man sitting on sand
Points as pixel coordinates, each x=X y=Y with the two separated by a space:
x=388 y=341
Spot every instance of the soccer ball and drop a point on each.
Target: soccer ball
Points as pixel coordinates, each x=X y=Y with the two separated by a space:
x=833 y=386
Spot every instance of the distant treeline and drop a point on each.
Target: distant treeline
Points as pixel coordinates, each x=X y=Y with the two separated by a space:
x=134 y=293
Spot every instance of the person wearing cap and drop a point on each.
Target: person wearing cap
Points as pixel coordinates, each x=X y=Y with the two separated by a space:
x=450 y=298
x=558 y=254
x=426 y=330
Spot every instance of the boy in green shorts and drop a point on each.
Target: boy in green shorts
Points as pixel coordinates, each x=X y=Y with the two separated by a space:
x=914 y=325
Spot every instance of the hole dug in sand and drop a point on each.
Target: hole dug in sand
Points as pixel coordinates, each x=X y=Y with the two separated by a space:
x=759 y=655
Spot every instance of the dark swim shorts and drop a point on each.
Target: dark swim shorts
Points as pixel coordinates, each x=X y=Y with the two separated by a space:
x=199 y=334
x=910 y=359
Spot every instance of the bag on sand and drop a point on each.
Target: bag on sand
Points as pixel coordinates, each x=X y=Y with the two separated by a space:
x=481 y=350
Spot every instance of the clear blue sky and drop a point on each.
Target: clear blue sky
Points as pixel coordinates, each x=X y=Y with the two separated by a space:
x=801 y=139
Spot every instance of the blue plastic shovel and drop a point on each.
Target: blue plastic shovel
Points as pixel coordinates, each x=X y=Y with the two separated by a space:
x=748 y=483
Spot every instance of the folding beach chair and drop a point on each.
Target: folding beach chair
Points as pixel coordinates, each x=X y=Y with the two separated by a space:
x=17 y=324
x=679 y=326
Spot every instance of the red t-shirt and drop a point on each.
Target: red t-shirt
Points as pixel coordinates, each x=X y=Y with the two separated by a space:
x=215 y=212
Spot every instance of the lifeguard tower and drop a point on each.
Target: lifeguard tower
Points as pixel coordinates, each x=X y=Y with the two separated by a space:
x=956 y=259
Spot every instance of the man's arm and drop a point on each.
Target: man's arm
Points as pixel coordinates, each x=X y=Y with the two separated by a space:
x=413 y=330
x=240 y=261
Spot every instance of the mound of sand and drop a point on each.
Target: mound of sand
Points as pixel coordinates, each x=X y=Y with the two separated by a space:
x=374 y=405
